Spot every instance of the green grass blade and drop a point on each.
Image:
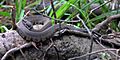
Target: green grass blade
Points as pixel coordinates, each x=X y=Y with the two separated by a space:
x=2 y=30
x=21 y=14
x=104 y=15
x=20 y=5
x=60 y=12
x=5 y=6
x=33 y=4
x=23 y=4
x=5 y=14
x=17 y=9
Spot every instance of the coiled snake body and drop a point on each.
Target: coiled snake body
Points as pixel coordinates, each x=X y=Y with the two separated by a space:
x=26 y=31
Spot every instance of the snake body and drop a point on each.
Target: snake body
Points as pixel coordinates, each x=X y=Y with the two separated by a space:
x=29 y=34
x=37 y=19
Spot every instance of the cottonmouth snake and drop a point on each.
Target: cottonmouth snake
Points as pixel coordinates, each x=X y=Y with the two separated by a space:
x=26 y=31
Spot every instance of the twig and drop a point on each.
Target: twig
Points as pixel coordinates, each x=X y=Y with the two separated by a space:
x=89 y=32
x=13 y=15
x=98 y=7
x=15 y=49
x=23 y=54
x=93 y=53
x=106 y=48
x=34 y=44
x=56 y=51
x=59 y=20
x=104 y=23
x=25 y=15
x=51 y=45
x=117 y=54
x=54 y=11
x=55 y=48
x=47 y=50
x=6 y=29
x=44 y=6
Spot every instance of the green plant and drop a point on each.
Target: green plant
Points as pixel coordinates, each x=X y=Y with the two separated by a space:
x=67 y=9
x=20 y=5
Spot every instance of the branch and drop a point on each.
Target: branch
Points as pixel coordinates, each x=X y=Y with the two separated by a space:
x=15 y=49
x=104 y=23
x=92 y=53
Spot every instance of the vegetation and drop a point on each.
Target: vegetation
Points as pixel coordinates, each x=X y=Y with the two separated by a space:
x=64 y=9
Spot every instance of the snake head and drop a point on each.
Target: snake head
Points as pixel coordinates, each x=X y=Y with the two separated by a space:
x=27 y=24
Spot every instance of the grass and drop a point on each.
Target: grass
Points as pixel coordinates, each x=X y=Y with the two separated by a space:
x=20 y=5
x=71 y=7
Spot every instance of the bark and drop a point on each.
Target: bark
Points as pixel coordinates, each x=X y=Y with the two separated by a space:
x=62 y=48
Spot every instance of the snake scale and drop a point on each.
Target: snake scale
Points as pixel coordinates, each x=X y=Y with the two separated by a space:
x=26 y=31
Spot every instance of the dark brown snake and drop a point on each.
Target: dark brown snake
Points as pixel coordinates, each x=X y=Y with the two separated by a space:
x=26 y=31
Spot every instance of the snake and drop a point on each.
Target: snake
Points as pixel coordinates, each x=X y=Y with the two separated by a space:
x=26 y=31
